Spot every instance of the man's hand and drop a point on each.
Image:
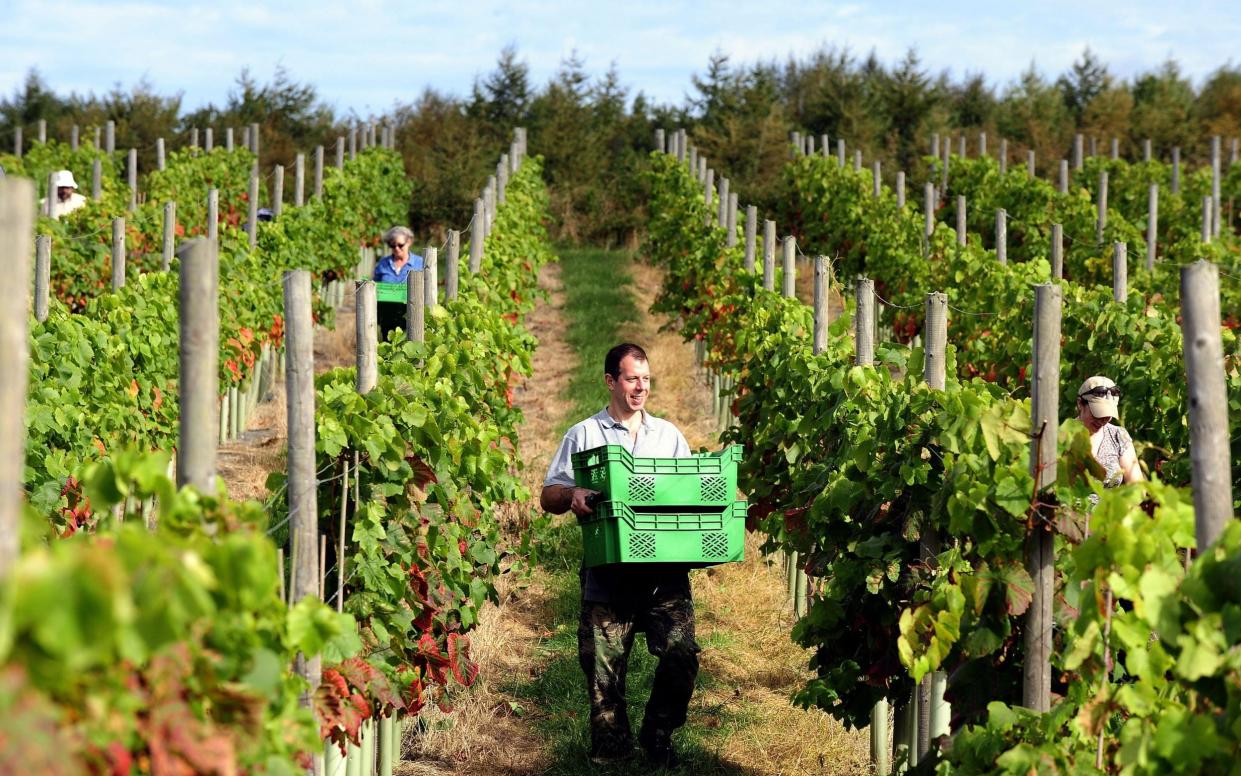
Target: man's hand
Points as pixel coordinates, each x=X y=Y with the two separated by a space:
x=559 y=499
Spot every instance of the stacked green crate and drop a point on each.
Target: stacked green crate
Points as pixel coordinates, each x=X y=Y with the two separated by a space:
x=661 y=510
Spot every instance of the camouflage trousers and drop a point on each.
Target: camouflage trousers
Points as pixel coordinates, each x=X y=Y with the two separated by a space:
x=604 y=639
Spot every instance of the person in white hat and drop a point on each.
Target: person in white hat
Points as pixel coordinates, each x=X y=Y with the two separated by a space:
x=67 y=197
x=1098 y=404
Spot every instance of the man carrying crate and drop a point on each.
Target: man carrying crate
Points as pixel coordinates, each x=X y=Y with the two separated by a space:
x=620 y=600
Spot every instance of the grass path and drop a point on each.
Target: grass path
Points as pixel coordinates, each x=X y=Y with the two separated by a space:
x=529 y=715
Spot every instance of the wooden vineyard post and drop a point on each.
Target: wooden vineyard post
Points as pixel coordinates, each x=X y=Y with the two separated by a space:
x=96 y=178
x=1077 y=151
x=1206 y=220
x=160 y=156
x=199 y=364
x=982 y=144
x=934 y=372
x=213 y=214
x=751 y=235
x=1101 y=209
x=1030 y=167
x=1146 y=150
x=367 y=331
x=961 y=220
x=961 y=145
x=900 y=189
x=1120 y=272
x=822 y=311
x=1001 y=236
x=277 y=191
x=299 y=180
x=340 y=153
x=876 y=181
x=1057 y=251
x=452 y=266
x=252 y=211
x=1115 y=148
x=708 y=188
x=1208 y=401
x=302 y=482
x=502 y=179
x=935 y=144
x=208 y=139
x=118 y=253
x=730 y=237
x=255 y=137
x=170 y=235
x=131 y=177
x=415 y=304
x=840 y=153
x=721 y=216
x=1152 y=225
x=431 y=285
x=1003 y=156
x=769 y=255
x=1215 y=186
x=42 y=275
x=795 y=139
x=864 y=325
x=1176 y=169
x=229 y=141
x=476 y=237
x=75 y=136
x=928 y=209
x=789 y=286
x=857 y=160
x=17 y=220
x=659 y=140
x=1040 y=544
x=1063 y=187
x=318 y=172
x=825 y=147
x=109 y=137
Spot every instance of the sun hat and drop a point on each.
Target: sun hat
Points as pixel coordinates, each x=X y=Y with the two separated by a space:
x=64 y=178
x=1105 y=404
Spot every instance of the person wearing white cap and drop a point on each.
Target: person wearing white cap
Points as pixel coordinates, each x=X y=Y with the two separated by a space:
x=67 y=197
x=1098 y=404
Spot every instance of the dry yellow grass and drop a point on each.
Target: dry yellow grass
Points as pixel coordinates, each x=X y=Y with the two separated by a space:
x=244 y=463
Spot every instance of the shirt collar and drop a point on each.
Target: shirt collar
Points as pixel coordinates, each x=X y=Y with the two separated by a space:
x=606 y=419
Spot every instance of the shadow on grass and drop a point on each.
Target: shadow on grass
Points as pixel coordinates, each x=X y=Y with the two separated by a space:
x=554 y=696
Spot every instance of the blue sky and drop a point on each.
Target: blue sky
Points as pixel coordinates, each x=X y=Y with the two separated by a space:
x=364 y=54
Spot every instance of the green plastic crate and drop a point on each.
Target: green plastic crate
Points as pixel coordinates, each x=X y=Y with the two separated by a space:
x=707 y=479
x=391 y=292
x=615 y=533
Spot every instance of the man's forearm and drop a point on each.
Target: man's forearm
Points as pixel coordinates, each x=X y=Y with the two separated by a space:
x=556 y=499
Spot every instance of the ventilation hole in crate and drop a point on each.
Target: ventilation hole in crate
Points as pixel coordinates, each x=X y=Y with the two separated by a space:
x=598 y=475
x=713 y=489
x=714 y=545
x=642 y=489
x=642 y=545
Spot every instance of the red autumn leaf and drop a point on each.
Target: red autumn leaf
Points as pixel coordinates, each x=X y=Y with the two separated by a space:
x=464 y=669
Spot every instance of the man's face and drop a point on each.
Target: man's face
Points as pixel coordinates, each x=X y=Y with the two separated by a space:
x=633 y=385
x=64 y=192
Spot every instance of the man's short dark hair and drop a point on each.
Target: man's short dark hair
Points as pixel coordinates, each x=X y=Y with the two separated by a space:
x=612 y=361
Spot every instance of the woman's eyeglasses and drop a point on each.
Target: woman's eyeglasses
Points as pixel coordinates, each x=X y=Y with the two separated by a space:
x=395 y=245
x=1102 y=393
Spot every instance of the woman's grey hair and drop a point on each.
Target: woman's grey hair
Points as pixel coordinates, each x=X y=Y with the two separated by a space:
x=398 y=231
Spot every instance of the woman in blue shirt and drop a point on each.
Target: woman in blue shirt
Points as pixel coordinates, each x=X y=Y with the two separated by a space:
x=395 y=267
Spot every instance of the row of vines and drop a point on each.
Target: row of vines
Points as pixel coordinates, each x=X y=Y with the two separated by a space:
x=163 y=645
x=853 y=467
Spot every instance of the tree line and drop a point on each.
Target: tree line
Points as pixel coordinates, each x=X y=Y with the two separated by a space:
x=595 y=133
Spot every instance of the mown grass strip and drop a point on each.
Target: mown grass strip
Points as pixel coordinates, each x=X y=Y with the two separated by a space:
x=598 y=304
